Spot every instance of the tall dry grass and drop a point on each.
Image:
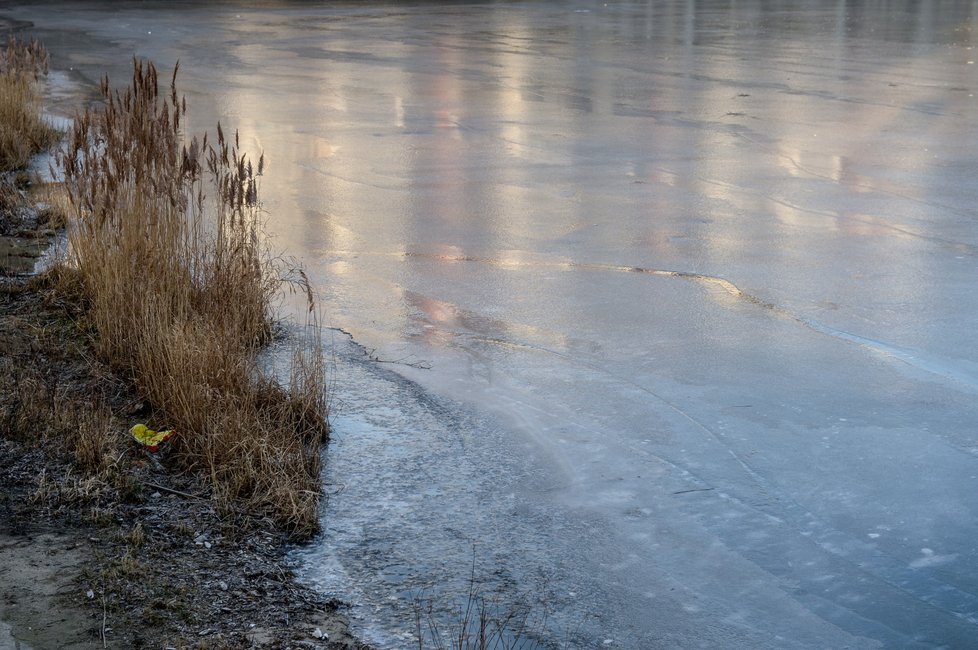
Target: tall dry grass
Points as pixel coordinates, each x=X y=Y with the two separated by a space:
x=23 y=131
x=167 y=240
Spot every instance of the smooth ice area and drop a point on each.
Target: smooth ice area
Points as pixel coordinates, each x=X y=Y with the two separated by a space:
x=661 y=314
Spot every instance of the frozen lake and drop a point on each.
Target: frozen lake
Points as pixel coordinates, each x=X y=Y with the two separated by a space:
x=678 y=298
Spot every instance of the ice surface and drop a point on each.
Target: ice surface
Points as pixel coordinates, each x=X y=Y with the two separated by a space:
x=681 y=295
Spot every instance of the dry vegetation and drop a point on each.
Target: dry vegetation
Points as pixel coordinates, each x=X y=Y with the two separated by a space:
x=179 y=288
x=23 y=132
x=167 y=257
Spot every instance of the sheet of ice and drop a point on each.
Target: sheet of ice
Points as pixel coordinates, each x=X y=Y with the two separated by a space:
x=681 y=296
x=8 y=640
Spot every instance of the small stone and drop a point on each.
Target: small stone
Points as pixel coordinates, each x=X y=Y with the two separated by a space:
x=319 y=634
x=223 y=585
x=207 y=544
x=156 y=495
x=90 y=594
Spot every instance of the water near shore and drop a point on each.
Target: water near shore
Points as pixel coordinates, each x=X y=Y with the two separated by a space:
x=679 y=298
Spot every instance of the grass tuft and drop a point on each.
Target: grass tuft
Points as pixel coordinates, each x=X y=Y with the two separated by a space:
x=166 y=242
x=23 y=131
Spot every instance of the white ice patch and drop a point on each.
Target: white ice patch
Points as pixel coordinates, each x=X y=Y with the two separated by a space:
x=930 y=559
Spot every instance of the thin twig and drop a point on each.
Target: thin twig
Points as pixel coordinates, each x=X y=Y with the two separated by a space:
x=104 y=616
x=172 y=491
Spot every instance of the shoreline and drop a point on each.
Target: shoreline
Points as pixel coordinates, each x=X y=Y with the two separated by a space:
x=136 y=561
x=125 y=553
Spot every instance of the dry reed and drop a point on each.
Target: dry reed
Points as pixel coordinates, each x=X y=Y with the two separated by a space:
x=181 y=286
x=23 y=131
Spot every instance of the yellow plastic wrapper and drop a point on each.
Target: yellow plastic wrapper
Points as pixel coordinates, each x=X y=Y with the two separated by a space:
x=149 y=438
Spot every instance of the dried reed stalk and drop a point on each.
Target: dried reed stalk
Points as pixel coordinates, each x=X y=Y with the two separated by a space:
x=181 y=287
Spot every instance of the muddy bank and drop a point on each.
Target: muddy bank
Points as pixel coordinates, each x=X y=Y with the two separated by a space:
x=124 y=553
x=82 y=570
x=131 y=556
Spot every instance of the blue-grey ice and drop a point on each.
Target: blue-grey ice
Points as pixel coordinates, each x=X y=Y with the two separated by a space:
x=660 y=314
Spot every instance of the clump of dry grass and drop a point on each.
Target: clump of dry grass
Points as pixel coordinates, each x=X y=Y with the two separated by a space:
x=181 y=286
x=23 y=131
